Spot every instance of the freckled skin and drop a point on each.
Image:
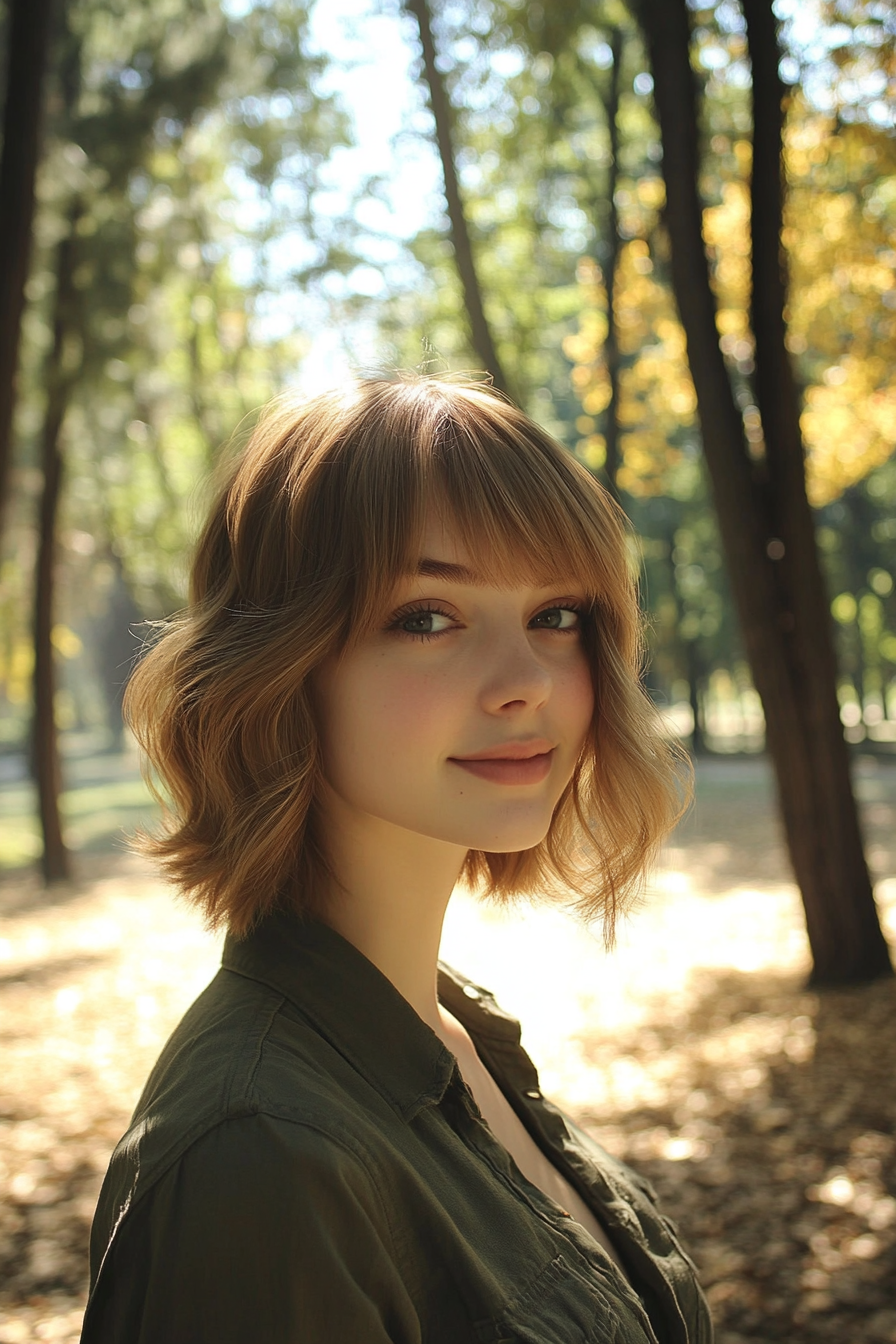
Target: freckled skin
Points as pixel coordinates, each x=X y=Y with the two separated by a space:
x=453 y=669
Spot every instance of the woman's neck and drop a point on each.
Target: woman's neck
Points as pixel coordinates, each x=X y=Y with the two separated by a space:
x=394 y=889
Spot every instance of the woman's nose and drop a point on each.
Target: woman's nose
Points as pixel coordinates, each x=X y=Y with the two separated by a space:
x=514 y=677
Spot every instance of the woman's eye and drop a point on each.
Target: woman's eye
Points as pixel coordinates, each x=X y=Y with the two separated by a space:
x=557 y=618
x=424 y=623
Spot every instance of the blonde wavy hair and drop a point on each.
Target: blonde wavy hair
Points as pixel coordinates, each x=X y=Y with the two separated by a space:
x=311 y=529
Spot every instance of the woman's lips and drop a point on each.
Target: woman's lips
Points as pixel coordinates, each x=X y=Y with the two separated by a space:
x=506 y=770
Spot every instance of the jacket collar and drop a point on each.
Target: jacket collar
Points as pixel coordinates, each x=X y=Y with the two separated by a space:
x=358 y=1010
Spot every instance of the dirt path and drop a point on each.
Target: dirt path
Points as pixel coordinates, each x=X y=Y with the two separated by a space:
x=764 y=1114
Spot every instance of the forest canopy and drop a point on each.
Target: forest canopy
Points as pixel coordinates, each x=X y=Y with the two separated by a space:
x=239 y=227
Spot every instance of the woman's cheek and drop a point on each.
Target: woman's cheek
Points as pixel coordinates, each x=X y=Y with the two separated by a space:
x=418 y=705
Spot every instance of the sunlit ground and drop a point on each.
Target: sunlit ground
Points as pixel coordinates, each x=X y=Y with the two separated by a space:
x=765 y=1114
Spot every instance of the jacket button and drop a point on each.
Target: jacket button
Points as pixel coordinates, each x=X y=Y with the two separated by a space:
x=534 y=1093
x=472 y=992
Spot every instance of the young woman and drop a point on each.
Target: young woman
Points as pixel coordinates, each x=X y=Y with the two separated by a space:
x=410 y=659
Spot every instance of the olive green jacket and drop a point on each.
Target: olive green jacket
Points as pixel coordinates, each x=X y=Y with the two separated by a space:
x=307 y=1166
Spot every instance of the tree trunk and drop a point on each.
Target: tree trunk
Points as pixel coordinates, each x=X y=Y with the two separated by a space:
x=28 y=40
x=55 y=862
x=480 y=329
x=811 y=645
x=611 y=346
x=696 y=696
x=783 y=610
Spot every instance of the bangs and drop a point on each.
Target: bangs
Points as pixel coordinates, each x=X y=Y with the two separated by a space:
x=521 y=506
x=518 y=509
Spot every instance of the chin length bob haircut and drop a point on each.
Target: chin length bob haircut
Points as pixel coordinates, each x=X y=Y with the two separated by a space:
x=316 y=521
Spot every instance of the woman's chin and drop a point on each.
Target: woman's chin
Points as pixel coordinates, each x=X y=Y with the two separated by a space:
x=508 y=840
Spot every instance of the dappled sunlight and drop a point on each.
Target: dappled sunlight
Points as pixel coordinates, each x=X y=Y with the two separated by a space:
x=764 y=1113
x=92 y=978
x=558 y=979
x=236 y=199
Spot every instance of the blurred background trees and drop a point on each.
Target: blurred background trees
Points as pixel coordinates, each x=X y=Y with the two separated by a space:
x=234 y=198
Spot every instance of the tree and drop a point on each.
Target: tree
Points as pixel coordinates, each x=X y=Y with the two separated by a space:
x=611 y=253
x=480 y=328
x=70 y=350
x=155 y=120
x=62 y=372
x=763 y=508
x=28 y=44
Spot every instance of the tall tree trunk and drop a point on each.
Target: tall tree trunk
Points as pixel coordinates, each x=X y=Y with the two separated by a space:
x=696 y=695
x=809 y=643
x=55 y=862
x=782 y=611
x=480 y=330
x=28 y=41
x=611 y=266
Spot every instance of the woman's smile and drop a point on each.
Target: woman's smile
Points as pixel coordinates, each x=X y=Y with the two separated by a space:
x=510 y=762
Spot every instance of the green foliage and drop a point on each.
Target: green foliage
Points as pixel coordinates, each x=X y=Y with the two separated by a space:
x=533 y=155
x=183 y=146
x=191 y=148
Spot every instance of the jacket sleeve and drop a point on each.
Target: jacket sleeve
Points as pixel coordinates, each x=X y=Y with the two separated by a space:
x=264 y=1232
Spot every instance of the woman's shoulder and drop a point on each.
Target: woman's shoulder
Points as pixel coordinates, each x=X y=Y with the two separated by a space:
x=241 y=1051
x=297 y=1027
x=247 y=1232
x=246 y=1087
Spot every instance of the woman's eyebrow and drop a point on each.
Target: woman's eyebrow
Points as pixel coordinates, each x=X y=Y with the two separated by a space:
x=450 y=572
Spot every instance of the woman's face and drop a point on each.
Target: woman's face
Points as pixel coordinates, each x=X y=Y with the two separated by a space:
x=462 y=715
